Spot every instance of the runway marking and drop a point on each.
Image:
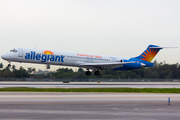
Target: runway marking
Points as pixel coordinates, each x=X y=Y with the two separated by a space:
x=88 y=103
x=85 y=112
x=92 y=97
x=91 y=84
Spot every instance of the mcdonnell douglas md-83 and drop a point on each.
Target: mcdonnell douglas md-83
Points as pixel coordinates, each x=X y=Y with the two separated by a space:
x=83 y=60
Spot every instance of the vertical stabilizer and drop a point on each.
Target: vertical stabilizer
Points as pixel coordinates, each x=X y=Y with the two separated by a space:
x=149 y=53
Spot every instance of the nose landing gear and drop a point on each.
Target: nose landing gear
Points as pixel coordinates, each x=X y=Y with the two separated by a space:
x=9 y=63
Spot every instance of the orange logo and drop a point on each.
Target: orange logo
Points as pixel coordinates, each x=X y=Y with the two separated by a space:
x=48 y=52
x=149 y=54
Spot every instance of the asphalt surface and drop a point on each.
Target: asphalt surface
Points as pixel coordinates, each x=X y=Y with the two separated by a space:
x=88 y=106
x=91 y=84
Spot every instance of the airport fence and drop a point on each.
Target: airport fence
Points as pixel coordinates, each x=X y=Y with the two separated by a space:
x=89 y=80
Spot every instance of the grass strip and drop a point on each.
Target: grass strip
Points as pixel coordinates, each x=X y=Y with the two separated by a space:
x=113 y=90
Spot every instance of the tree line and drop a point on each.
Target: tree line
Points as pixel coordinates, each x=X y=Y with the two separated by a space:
x=159 y=71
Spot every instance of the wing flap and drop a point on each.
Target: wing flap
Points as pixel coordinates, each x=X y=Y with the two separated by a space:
x=104 y=66
x=99 y=64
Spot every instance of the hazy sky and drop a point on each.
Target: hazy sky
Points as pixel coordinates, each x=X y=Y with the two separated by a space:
x=109 y=27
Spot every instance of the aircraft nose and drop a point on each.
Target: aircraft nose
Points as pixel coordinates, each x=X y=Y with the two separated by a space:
x=4 y=56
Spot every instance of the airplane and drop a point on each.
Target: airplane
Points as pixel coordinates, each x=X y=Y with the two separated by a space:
x=83 y=60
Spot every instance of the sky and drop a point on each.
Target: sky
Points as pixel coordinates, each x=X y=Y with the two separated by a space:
x=107 y=27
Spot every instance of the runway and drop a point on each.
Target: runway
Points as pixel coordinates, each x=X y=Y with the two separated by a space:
x=88 y=106
x=91 y=84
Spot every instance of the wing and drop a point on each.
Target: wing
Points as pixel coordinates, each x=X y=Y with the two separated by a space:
x=103 y=66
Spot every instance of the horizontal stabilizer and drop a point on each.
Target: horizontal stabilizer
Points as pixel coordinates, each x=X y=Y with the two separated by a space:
x=162 y=47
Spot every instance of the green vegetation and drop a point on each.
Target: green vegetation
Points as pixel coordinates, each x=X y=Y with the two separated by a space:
x=14 y=73
x=113 y=90
x=159 y=71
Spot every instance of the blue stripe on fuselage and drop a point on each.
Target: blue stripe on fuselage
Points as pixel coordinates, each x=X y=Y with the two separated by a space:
x=135 y=65
x=148 y=64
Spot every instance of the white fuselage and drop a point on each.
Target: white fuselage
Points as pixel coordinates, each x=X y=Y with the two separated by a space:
x=40 y=56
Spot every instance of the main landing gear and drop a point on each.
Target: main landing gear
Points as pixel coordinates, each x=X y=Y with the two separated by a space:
x=88 y=73
x=97 y=72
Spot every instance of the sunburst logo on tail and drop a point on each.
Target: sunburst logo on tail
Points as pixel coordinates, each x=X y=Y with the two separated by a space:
x=48 y=52
x=149 y=54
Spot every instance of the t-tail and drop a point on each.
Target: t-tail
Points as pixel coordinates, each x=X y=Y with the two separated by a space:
x=147 y=56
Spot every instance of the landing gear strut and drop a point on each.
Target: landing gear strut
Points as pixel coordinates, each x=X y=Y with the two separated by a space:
x=88 y=73
x=97 y=72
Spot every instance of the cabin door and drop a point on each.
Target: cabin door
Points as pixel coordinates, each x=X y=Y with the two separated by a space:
x=20 y=51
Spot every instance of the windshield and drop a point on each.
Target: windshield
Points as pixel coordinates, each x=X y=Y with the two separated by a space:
x=13 y=50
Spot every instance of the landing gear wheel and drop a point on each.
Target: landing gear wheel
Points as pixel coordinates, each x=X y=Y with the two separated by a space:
x=88 y=73
x=97 y=72
x=9 y=65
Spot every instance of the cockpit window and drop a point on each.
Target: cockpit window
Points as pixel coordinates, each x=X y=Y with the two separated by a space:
x=13 y=50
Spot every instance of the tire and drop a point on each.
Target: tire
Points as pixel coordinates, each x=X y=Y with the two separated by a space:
x=9 y=65
x=88 y=73
x=97 y=73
